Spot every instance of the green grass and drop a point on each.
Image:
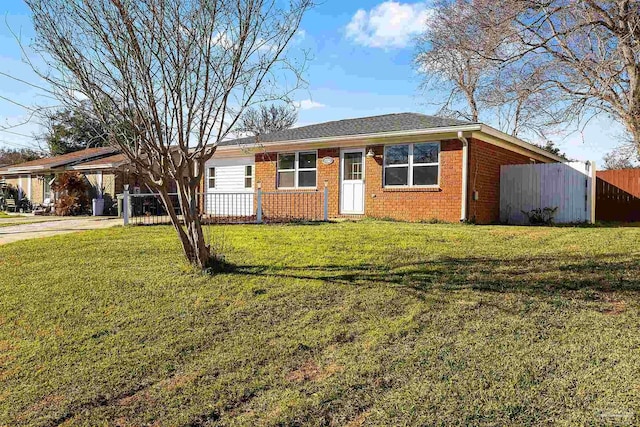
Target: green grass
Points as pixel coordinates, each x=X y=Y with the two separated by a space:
x=369 y=323
x=4 y=214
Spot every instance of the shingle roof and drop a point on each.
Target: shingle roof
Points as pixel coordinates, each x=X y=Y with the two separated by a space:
x=57 y=161
x=349 y=127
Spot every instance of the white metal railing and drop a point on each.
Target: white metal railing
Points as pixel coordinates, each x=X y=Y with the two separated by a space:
x=230 y=207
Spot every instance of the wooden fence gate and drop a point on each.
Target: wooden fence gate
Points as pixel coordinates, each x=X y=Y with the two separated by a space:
x=569 y=187
x=618 y=195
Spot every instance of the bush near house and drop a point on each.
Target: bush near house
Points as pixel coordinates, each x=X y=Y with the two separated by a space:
x=72 y=189
x=369 y=323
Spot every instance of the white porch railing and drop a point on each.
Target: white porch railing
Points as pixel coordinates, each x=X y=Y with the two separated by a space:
x=230 y=208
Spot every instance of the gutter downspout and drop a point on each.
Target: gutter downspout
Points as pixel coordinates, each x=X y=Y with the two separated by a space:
x=465 y=176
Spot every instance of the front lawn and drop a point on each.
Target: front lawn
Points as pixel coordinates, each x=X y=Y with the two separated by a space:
x=4 y=214
x=369 y=323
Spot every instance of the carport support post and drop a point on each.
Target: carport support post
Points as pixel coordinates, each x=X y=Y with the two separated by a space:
x=326 y=201
x=259 y=204
x=125 y=205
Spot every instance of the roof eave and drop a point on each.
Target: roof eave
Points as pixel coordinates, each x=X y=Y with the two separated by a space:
x=94 y=167
x=53 y=165
x=26 y=169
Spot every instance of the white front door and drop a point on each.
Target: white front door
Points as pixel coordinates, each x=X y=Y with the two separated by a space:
x=352 y=181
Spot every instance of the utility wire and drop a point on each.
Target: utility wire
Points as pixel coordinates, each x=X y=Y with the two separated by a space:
x=18 y=145
x=24 y=81
x=18 y=104
x=16 y=133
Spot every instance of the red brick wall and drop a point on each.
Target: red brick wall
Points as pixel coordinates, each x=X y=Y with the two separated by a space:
x=415 y=204
x=265 y=174
x=402 y=204
x=484 y=176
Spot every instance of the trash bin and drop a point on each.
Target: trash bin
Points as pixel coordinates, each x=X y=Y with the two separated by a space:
x=98 y=207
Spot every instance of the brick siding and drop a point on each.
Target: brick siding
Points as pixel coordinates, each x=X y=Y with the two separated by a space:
x=414 y=204
x=484 y=177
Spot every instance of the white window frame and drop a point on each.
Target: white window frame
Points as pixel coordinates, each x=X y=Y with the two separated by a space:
x=209 y=178
x=296 y=169
x=250 y=176
x=410 y=165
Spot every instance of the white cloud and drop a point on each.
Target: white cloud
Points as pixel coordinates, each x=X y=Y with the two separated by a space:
x=307 y=104
x=389 y=25
x=78 y=95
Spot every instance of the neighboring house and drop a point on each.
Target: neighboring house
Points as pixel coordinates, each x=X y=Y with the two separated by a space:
x=100 y=165
x=403 y=166
x=109 y=174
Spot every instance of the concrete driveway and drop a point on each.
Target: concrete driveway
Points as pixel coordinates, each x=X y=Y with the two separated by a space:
x=36 y=227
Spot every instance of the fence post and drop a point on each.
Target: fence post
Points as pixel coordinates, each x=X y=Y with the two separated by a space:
x=259 y=203
x=594 y=182
x=326 y=201
x=125 y=205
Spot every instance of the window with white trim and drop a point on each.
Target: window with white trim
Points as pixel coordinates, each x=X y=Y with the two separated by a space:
x=412 y=165
x=248 y=176
x=212 y=178
x=297 y=170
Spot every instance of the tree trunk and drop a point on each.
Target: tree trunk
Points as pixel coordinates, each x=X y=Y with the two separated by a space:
x=191 y=235
x=635 y=135
x=199 y=253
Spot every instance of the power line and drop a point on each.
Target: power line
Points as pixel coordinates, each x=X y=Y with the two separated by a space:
x=26 y=122
x=16 y=133
x=18 y=104
x=18 y=145
x=25 y=82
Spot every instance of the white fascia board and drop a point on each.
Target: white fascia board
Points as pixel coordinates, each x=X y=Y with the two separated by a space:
x=94 y=167
x=26 y=169
x=80 y=167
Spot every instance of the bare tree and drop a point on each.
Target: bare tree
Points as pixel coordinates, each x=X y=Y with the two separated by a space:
x=588 y=52
x=446 y=63
x=179 y=72
x=518 y=100
x=623 y=157
x=462 y=53
x=266 y=119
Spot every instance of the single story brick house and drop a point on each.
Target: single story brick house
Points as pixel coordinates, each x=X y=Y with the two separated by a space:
x=404 y=166
x=104 y=168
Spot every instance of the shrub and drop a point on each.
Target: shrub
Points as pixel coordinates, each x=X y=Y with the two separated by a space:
x=542 y=216
x=72 y=189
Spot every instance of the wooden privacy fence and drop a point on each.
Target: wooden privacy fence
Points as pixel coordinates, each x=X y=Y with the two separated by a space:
x=618 y=195
x=569 y=187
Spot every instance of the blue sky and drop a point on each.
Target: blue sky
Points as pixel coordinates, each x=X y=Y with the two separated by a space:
x=361 y=65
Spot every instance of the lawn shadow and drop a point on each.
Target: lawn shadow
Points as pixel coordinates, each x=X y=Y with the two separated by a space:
x=546 y=275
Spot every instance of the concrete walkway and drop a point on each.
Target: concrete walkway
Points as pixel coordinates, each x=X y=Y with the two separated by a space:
x=44 y=228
